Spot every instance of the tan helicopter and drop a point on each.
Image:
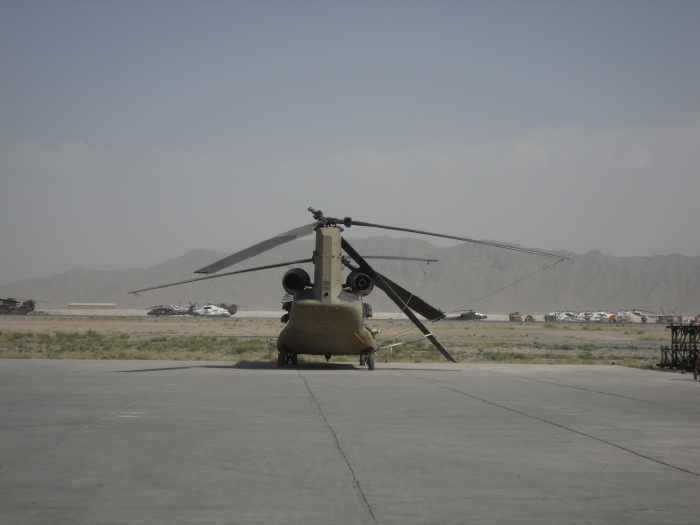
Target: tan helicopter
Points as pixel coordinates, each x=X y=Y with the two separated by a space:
x=327 y=316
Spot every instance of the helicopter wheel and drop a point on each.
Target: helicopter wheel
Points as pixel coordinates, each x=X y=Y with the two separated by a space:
x=281 y=359
x=363 y=359
x=370 y=361
x=294 y=359
x=328 y=357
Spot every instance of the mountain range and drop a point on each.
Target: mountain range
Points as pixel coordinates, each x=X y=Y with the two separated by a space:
x=466 y=276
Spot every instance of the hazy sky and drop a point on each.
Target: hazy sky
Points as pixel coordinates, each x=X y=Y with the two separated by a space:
x=131 y=132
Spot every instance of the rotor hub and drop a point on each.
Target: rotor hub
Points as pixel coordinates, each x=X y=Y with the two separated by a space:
x=324 y=222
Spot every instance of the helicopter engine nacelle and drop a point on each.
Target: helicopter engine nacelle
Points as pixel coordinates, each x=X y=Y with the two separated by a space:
x=359 y=282
x=295 y=280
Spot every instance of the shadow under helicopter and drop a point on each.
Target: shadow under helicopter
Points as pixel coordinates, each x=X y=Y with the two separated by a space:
x=165 y=369
x=252 y=365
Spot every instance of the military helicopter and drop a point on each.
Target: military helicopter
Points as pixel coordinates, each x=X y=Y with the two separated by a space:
x=471 y=315
x=210 y=310
x=12 y=306
x=169 y=310
x=207 y=310
x=327 y=316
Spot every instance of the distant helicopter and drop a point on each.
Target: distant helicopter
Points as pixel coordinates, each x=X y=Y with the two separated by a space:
x=12 y=306
x=168 y=310
x=327 y=316
x=470 y=315
x=210 y=310
x=207 y=310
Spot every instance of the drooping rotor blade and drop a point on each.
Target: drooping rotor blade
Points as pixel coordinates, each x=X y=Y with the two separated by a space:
x=223 y=275
x=259 y=248
x=414 y=302
x=408 y=298
x=371 y=225
x=394 y=297
x=394 y=258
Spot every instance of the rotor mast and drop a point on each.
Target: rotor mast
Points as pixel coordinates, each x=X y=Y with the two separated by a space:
x=327 y=264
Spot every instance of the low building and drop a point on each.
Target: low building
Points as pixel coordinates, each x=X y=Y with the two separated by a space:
x=92 y=306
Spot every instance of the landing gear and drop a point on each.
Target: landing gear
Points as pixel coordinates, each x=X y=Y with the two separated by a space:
x=286 y=358
x=370 y=361
x=328 y=357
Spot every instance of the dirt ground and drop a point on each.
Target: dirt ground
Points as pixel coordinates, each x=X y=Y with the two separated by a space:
x=447 y=330
x=61 y=337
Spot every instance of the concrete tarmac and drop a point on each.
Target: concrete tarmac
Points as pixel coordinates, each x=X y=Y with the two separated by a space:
x=199 y=442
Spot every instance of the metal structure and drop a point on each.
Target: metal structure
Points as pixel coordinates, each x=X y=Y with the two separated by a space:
x=683 y=352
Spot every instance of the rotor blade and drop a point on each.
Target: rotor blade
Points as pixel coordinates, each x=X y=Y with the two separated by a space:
x=393 y=258
x=408 y=298
x=358 y=223
x=259 y=248
x=223 y=275
x=394 y=297
x=412 y=301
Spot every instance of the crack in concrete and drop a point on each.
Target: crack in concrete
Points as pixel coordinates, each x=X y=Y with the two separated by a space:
x=592 y=391
x=620 y=447
x=340 y=449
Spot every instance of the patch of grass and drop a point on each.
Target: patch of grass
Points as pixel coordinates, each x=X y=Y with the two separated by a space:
x=500 y=346
x=95 y=345
x=592 y=328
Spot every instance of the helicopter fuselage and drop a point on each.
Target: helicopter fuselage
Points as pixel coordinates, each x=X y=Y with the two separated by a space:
x=325 y=318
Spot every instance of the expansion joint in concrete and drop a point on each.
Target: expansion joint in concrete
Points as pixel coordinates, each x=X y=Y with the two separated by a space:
x=592 y=391
x=340 y=449
x=553 y=424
